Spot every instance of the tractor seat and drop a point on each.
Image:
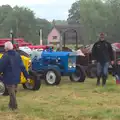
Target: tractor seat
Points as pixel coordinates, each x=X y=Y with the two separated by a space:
x=36 y=54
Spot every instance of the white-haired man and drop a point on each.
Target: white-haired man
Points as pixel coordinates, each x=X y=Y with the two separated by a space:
x=11 y=66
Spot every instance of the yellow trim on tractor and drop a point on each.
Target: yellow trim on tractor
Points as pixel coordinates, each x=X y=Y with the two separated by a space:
x=34 y=84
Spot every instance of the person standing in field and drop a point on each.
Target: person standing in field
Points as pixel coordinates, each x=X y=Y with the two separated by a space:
x=103 y=53
x=11 y=66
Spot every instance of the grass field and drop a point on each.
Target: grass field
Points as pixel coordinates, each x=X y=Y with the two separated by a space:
x=68 y=101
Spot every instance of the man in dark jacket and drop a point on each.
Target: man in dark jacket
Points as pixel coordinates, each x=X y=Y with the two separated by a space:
x=11 y=66
x=103 y=53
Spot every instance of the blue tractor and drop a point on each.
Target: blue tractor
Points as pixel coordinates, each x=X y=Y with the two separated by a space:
x=51 y=65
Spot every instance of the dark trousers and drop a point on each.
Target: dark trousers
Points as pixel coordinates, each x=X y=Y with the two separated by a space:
x=102 y=71
x=12 y=89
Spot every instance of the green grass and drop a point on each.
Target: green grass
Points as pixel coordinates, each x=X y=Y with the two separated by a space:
x=68 y=101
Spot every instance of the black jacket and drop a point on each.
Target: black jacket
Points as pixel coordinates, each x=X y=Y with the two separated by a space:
x=102 y=51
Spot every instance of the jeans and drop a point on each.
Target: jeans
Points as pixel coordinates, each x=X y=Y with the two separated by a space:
x=102 y=69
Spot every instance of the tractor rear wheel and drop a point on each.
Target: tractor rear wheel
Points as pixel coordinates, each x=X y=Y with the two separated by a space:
x=92 y=71
x=3 y=89
x=52 y=77
x=78 y=75
x=34 y=84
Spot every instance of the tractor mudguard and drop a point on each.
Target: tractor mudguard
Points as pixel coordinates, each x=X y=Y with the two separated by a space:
x=54 y=67
x=34 y=73
x=82 y=68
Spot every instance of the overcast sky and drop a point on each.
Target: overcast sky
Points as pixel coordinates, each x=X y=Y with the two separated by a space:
x=48 y=9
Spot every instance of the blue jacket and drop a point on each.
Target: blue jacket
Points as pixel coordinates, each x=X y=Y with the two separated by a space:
x=11 y=66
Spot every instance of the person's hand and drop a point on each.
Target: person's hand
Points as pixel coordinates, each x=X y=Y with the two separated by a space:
x=28 y=80
x=112 y=62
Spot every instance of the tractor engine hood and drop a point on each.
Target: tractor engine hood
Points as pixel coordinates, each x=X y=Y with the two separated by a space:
x=54 y=54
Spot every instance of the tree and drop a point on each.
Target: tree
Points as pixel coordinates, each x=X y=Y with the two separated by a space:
x=74 y=13
x=60 y=22
x=45 y=25
x=5 y=11
x=114 y=19
x=97 y=16
x=23 y=22
x=93 y=17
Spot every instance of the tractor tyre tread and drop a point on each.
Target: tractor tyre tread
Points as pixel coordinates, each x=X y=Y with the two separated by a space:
x=58 y=76
x=82 y=73
x=6 y=92
x=37 y=83
x=91 y=71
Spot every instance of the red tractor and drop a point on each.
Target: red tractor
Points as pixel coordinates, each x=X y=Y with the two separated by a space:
x=17 y=42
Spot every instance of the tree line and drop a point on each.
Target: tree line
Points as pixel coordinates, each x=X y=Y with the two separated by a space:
x=97 y=16
x=94 y=16
x=24 y=24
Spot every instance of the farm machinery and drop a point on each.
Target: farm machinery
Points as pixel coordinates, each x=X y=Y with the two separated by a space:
x=35 y=82
x=51 y=65
x=81 y=60
x=86 y=61
x=48 y=65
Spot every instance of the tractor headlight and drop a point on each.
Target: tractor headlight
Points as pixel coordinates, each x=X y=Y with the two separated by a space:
x=74 y=65
x=71 y=64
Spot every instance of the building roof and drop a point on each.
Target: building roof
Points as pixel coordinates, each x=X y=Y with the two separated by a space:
x=61 y=28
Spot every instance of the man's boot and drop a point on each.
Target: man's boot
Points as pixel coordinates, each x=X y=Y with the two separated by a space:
x=104 y=78
x=98 y=81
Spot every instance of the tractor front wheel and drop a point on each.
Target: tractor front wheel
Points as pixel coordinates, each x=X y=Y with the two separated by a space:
x=52 y=77
x=78 y=75
x=34 y=84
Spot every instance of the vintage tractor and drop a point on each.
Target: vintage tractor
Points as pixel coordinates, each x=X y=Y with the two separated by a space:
x=51 y=65
x=35 y=81
x=34 y=84
x=81 y=61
